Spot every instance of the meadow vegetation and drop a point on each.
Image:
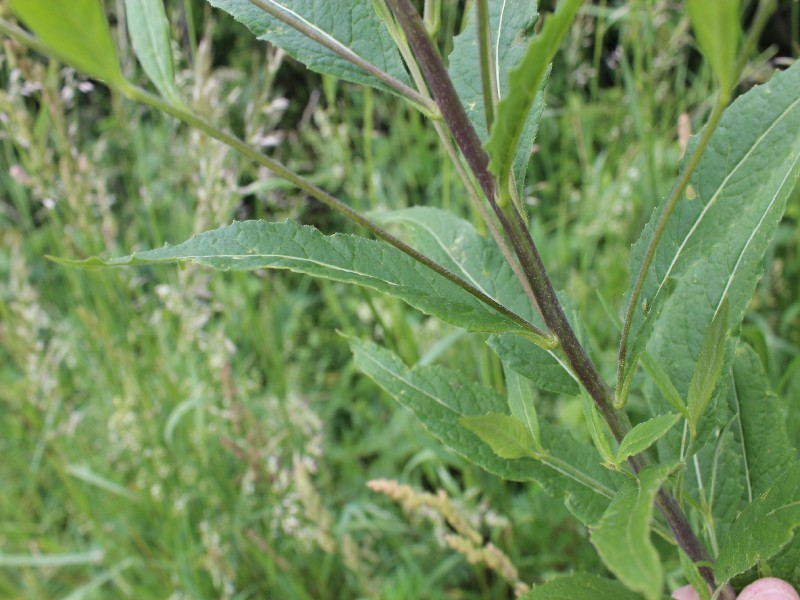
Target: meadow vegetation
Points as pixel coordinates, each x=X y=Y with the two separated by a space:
x=185 y=433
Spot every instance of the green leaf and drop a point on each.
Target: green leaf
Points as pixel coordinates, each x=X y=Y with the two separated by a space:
x=709 y=365
x=663 y=383
x=457 y=246
x=351 y=25
x=765 y=447
x=76 y=31
x=716 y=26
x=644 y=435
x=763 y=528
x=509 y=22
x=714 y=244
x=149 y=31
x=524 y=83
x=580 y=586
x=522 y=403
x=597 y=428
x=440 y=398
x=507 y=436
x=786 y=565
x=715 y=480
x=650 y=313
x=249 y=245
x=622 y=537
x=545 y=368
x=692 y=573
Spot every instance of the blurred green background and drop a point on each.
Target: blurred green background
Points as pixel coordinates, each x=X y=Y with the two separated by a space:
x=171 y=433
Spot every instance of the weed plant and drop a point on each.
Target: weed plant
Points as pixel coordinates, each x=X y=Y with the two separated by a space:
x=195 y=434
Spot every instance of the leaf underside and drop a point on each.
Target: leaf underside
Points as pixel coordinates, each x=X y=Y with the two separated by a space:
x=353 y=24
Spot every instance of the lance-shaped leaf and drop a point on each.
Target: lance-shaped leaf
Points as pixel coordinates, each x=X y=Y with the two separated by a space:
x=521 y=403
x=524 y=83
x=507 y=436
x=149 y=31
x=714 y=477
x=763 y=528
x=510 y=24
x=644 y=435
x=580 y=586
x=716 y=26
x=440 y=398
x=714 y=244
x=76 y=31
x=598 y=430
x=248 y=245
x=709 y=365
x=351 y=25
x=457 y=246
x=760 y=429
x=622 y=537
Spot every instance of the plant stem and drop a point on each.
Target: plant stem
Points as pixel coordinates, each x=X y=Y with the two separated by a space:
x=447 y=142
x=466 y=138
x=468 y=142
x=295 y=21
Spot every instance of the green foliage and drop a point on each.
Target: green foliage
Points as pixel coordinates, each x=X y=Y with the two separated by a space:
x=664 y=385
x=249 y=245
x=522 y=404
x=76 y=31
x=456 y=245
x=507 y=436
x=545 y=368
x=522 y=91
x=509 y=22
x=212 y=450
x=718 y=32
x=644 y=435
x=622 y=536
x=764 y=527
x=440 y=398
x=761 y=431
x=580 y=586
x=709 y=365
x=350 y=25
x=755 y=135
x=716 y=480
x=149 y=31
